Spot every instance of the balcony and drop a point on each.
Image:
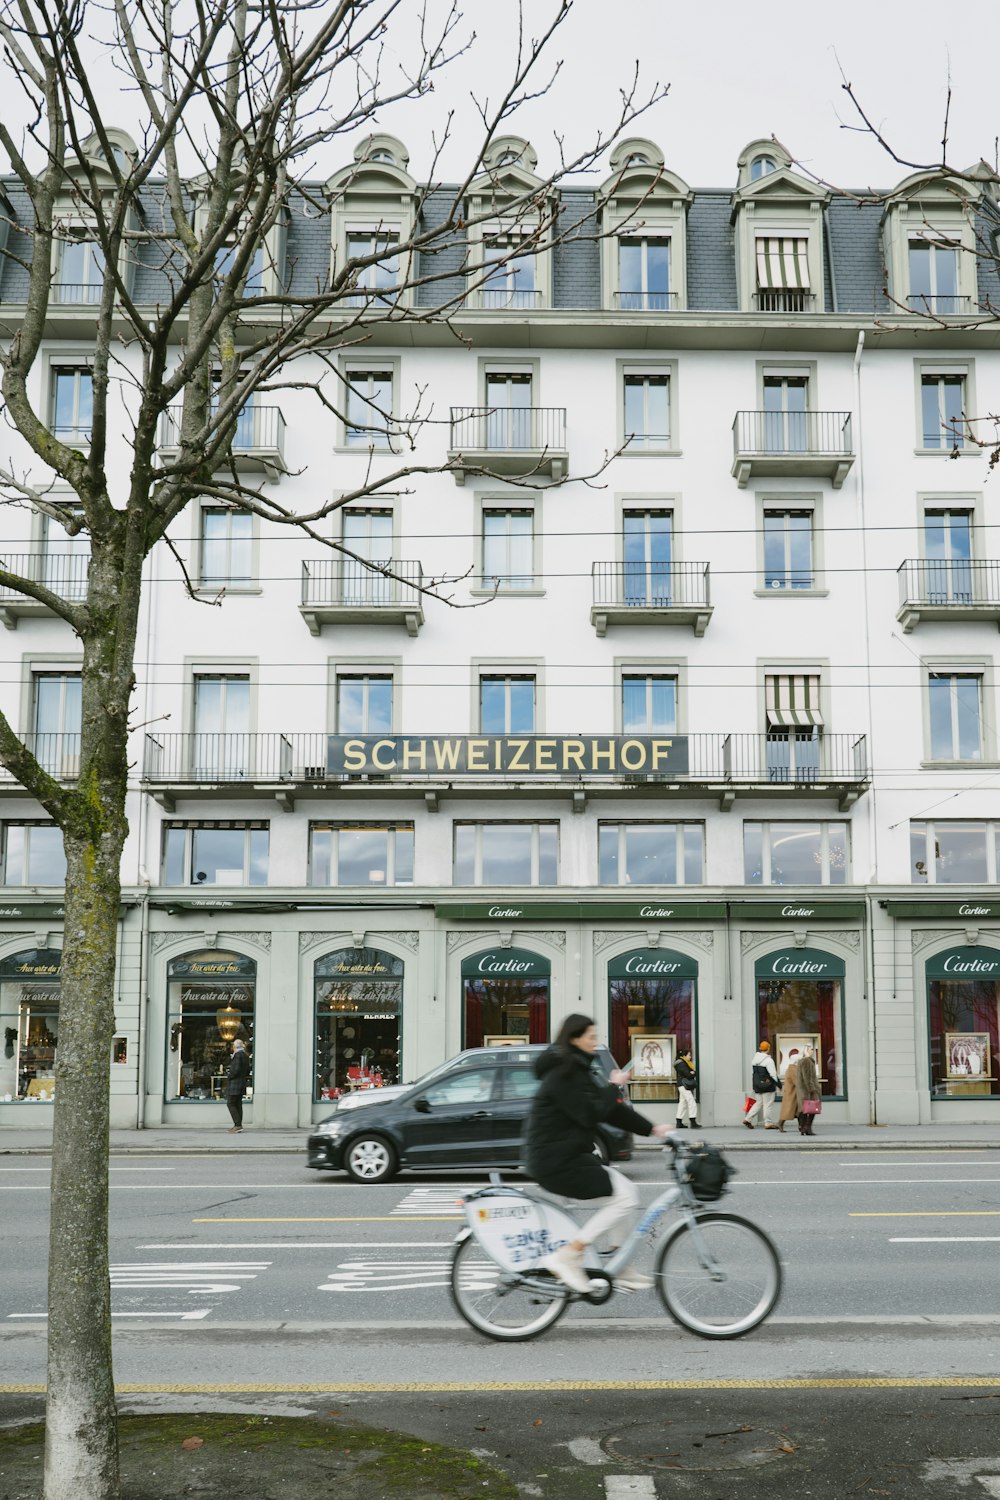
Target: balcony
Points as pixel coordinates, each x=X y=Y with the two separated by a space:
x=948 y=589
x=341 y=591
x=936 y=306
x=59 y=754
x=65 y=573
x=816 y=444
x=258 y=442
x=646 y=301
x=291 y=766
x=507 y=298
x=784 y=299
x=650 y=593
x=76 y=294
x=509 y=441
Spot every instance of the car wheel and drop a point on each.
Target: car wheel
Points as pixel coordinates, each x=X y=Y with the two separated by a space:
x=370 y=1158
x=601 y=1151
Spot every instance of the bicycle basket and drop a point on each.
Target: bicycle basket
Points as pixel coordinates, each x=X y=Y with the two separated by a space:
x=707 y=1173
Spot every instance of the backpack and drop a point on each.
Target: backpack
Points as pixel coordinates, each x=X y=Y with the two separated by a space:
x=763 y=1083
x=707 y=1173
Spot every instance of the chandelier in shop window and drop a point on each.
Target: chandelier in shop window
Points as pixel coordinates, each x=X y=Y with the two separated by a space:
x=229 y=1021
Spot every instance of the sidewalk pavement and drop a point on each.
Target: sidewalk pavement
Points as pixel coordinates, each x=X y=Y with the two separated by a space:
x=218 y=1141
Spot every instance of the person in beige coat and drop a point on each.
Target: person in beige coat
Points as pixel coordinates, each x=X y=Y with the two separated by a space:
x=806 y=1087
x=789 y=1093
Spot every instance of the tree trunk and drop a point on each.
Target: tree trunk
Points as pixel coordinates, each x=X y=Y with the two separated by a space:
x=81 y=1441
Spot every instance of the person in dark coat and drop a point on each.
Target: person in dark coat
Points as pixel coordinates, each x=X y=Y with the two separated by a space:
x=236 y=1086
x=687 y=1082
x=573 y=1097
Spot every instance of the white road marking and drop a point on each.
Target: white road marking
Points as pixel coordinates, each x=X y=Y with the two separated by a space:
x=963 y=1472
x=587 y=1450
x=200 y=1277
x=186 y=1317
x=401 y=1276
x=643 y=1485
x=431 y=1200
x=990 y=1485
x=110 y=1169
x=945 y=1239
x=312 y=1245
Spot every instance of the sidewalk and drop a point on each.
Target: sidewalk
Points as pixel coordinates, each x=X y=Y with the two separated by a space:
x=218 y=1142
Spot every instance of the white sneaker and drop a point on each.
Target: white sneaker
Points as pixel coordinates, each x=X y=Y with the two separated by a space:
x=632 y=1281
x=567 y=1265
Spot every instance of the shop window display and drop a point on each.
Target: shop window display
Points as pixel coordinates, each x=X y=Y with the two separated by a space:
x=652 y=994
x=963 y=998
x=505 y=997
x=359 y=1005
x=211 y=1002
x=800 y=1005
x=30 y=992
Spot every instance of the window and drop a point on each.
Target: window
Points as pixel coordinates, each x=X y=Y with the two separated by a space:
x=963 y=1023
x=796 y=853
x=369 y=409
x=30 y=995
x=359 y=1005
x=948 y=556
x=226 y=547
x=646 y=556
x=225 y=257
x=249 y=418
x=934 y=277
x=649 y=704
x=785 y=421
x=651 y=853
x=210 y=853
x=364 y=704
x=794 y=726
x=509 y=419
x=800 y=1004
x=644 y=274
x=954 y=852
x=498 y=854
x=56 y=719
x=379 y=280
x=783 y=274
x=761 y=166
x=506 y=995
x=942 y=402
x=211 y=998
x=72 y=403
x=508 y=550
x=788 y=549
x=507 y=704
x=368 y=534
x=80 y=268
x=65 y=559
x=647 y=410
x=374 y=854
x=470 y=1086
x=222 y=743
x=33 y=854
x=510 y=272
x=955 y=705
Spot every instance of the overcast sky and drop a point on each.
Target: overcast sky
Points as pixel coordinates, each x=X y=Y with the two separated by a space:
x=738 y=71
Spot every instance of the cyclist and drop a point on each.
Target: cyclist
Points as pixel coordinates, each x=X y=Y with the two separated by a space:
x=574 y=1095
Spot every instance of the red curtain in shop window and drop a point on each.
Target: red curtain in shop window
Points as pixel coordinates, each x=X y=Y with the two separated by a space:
x=538 y=1013
x=828 y=1062
x=473 y=1014
x=618 y=1040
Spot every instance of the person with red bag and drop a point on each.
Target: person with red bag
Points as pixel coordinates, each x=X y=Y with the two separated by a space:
x=808 y=1091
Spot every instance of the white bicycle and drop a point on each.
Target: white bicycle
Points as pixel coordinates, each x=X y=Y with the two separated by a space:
x=717 y=1274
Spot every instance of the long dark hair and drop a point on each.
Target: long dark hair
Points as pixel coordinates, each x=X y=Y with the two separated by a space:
x=574 y=1026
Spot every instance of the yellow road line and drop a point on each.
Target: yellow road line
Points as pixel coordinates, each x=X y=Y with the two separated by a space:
x=945 y=1213
x=399 y=1387
x=367 y=1219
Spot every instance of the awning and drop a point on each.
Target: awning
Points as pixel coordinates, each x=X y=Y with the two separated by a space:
x=782 y=262
x=793 y=703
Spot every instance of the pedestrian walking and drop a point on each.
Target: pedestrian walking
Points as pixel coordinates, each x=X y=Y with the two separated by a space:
x=687 y=1099
x=808 y=1090
x=763 y=1087
x=236 y=1085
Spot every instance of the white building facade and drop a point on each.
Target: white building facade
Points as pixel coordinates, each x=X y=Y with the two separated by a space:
x=703 y=745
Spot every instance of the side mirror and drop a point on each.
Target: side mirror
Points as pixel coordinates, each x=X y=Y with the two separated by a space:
x=422 y=1106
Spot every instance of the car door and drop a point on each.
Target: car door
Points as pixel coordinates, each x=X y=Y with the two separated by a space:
x=450 y=1123
x=512 y=1106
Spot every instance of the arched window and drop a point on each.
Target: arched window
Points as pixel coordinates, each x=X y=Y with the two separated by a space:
x=761 y=166
x=30 y=992
x=359 y=1008
x=652 y=1018
x=211 y=998
x=505 y=997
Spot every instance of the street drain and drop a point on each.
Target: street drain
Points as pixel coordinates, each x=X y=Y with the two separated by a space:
x=687 y=1446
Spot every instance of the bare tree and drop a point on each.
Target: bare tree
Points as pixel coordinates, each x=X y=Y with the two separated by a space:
x=237 y=101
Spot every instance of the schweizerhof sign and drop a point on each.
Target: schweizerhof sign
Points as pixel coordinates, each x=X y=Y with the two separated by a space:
x=507 y=755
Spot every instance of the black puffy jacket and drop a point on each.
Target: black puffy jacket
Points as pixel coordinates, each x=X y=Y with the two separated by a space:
x=559 y=1144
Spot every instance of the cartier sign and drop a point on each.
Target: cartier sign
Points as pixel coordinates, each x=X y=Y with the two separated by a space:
x=507 y=755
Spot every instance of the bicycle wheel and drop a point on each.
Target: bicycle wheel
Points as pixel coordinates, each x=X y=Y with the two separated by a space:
x=499 y=1303
x=719 y=1276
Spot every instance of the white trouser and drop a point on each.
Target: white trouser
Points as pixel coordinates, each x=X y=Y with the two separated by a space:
x=620 y=1206
x=764 y=1102
x=687 y=1104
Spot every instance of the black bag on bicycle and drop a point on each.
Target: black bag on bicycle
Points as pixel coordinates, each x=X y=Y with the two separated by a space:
x=707 y=1173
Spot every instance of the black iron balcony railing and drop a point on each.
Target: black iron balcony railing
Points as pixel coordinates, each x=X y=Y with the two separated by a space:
x=790 y=433
x=69 y=292
x=259 y=429
x=938 y=306
x=511 y=297
x=508 y=429
x=822 y=763
x=651 y=585
x=59 y=754
x=645 y=301
x=65 y=573
x=341 y=582
x=948 y=588
x=784 y=299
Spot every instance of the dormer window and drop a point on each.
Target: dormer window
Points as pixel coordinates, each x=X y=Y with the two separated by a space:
x=783 y=273
x=225 y=257
x=78 y=262
x=929 y=243
x=511 y=280
x=644 y=218
x=778 y=221
x=761 y=166
x=372 y=207
x=934 y=277
x=80 y=267
x=509 y=263
x=643 y=274
x=379 y=279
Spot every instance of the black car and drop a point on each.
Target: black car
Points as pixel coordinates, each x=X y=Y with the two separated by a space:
x=470 y=1112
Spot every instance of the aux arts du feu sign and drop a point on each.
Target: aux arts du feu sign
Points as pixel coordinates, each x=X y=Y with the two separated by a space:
x=507 y=755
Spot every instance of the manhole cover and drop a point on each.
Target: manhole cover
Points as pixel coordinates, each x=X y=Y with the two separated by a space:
x=689 y=1446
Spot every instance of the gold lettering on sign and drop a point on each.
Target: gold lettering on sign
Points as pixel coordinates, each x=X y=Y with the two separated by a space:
x=573 y=752
x=477 y=752
x=383 y=765
x=517 y=760
x=415 y=755
x=354 y=755
x=446 y=753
